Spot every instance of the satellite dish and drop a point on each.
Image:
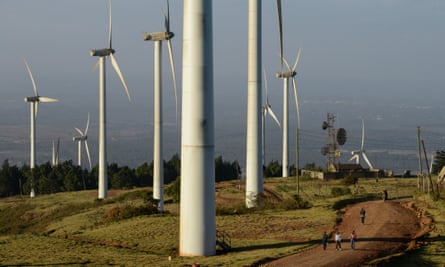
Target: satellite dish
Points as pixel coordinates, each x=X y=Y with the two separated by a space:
x=324 y=150
x=325 y=125
x=341 y=136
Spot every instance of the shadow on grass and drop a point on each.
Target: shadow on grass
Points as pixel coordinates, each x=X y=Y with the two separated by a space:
x=411 y=258
x=276 y=245
x=345 y=202
x=81 y=263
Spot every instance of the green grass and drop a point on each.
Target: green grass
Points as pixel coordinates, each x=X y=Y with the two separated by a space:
x=72 y=228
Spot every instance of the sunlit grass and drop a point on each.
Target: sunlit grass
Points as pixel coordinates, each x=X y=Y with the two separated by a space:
x=73 y=228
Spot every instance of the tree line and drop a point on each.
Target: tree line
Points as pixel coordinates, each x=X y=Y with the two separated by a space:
x=67 y=176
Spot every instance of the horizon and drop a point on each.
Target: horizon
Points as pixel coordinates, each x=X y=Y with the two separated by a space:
x=381 y=60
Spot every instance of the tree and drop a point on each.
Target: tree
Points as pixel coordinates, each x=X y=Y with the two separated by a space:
x=172 y=169
x=224 y=170
x=144 y=174
x=439 y=162
x=7 y=182
x=273 y=169
x=124 y=178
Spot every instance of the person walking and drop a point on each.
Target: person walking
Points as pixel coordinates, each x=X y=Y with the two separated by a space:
x=338 y=241
x=324 y=240
x=353 y=238
x=362 y=215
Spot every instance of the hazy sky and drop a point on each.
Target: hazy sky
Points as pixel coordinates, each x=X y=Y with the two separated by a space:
x=359 y=57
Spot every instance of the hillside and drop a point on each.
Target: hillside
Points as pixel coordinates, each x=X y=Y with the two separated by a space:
x=76 y=229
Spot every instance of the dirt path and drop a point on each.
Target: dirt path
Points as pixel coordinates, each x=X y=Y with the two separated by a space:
x=388 y=228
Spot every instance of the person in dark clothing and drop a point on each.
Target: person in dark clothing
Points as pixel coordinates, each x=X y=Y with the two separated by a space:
x=362 y=215
x=324 y=240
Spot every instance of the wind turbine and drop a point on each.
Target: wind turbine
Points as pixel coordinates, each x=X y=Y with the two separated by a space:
x=158 y=162
x=286 y=75
x=254 y=168
x=103 y=54
x=55 y=153
x=357 y=155
x=267 y=110
x=83 y=136
x=34 y=103
x=197 y=233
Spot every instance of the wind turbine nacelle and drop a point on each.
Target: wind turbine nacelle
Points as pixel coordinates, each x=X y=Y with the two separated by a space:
x=79 y=138
x=101 y=52
x=32 y=99
x=158 y=36
x=286 y=74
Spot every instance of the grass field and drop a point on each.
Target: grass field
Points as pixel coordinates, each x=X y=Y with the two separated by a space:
x=76 y=229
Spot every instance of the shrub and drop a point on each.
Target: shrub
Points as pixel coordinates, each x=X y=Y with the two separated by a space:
x=294 y=203
x=340 y=191
x=232 y=209
x=173 y=190
x=349 y=180
x=129 y=211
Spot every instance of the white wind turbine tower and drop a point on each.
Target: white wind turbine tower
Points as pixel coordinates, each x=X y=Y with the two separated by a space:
x=197 y=234
x=82 y=138
x=158 y=162
x=103 y=54
x=267 y=109
x=34 y=103
x=55 y=153
x=285 y=75
x=357 y=155
x=254 y=168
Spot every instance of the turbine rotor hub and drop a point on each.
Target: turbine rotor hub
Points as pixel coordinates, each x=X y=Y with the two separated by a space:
x=286 y=74
x=102 y=52
x=158 y=36
x=32 y=99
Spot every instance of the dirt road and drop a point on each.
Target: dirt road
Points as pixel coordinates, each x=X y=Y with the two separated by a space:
x=389 y=227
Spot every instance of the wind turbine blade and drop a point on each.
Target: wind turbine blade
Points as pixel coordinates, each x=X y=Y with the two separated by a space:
x=88 y=153
x=88 y=124
x=272 y=114
x=53 y=155
x=265 y=86
x=356 y=158
x=111 y=29
x=79 y=131
x=172 y=66
x=57 y=153
x=297 y=59
x=367 y=160
x=47 y=99
x=32 y=78
x=167 y=18
x=280 y=29
x=96 y=65
x=119 y=73
x=363 y=136
x=285 y=62
x=296 y=100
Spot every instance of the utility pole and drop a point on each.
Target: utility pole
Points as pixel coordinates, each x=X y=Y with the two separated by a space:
x=419 y=154
x=297 y=164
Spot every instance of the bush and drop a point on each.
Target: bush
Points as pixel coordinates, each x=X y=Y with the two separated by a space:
x=130 y=211
x=294 y=203
x=349 y=180
x=340 y=191
x=174 y=190
x=233 y=209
